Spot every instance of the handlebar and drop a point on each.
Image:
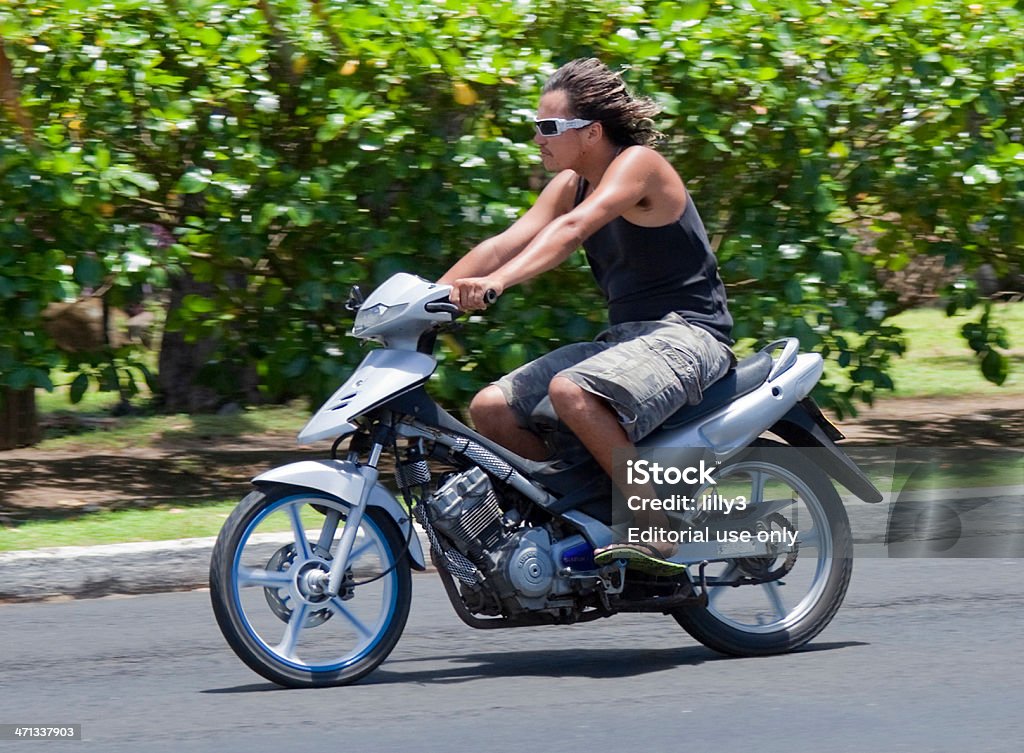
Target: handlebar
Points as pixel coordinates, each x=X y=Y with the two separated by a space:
x=429 y=339
x=439 y=307
x=446 y=306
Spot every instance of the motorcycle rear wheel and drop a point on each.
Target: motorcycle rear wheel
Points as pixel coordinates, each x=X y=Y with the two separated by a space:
x=271 y=618
x=783 y=614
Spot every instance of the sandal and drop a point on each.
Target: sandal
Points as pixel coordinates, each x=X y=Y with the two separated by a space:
x=642 y=557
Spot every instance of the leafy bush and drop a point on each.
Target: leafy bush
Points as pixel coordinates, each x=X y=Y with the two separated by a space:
x=282 y=151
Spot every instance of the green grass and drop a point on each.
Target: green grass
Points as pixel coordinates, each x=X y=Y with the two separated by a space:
x=160 y=523
x=938 y=361
x=58 y=400
x=91 y=425
x=995 y=471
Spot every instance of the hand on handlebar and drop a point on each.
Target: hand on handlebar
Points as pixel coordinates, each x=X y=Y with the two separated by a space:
x=475 y=293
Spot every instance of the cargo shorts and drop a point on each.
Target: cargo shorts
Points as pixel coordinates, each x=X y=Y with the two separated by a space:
x=645 y=370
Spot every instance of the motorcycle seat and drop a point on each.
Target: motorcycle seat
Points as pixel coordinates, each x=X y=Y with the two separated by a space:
x=744 y=378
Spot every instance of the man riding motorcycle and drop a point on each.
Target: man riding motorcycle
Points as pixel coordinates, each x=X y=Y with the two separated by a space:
x=670 y=328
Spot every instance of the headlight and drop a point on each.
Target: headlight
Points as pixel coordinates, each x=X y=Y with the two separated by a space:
x=374 y=316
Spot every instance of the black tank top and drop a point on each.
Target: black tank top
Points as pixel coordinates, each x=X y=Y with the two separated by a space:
x=649 y=272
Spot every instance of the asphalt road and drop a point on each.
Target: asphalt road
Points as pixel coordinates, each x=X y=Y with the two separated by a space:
x=925 y=656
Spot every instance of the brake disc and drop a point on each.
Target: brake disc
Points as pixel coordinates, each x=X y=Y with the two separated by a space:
x=278 y=598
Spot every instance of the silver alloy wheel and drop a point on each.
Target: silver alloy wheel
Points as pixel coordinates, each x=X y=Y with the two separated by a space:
x=779 y=604
x=301 y=637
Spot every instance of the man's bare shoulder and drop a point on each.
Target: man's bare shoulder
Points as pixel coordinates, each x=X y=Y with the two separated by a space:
x=663 y=194
x=560 y=192
x=643 y=157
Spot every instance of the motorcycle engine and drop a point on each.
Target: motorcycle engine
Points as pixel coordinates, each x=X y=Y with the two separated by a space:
x=465 y=509
x=516 y=560
x=529 y=566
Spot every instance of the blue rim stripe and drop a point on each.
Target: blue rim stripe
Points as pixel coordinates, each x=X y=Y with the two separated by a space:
x=236 y=596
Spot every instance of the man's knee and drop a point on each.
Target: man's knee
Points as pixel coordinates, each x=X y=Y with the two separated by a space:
x=488 y=406
x=575 y=405
x=566 y=396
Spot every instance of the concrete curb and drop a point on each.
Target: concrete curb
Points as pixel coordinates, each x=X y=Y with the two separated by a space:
x=84 y=572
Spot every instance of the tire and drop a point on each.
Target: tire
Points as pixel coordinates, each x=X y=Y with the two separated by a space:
x=271 y=619
x=735 y=621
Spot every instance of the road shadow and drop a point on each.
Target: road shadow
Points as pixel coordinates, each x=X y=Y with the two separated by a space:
x=583 y=663
x=256 y=687
x=989 y=427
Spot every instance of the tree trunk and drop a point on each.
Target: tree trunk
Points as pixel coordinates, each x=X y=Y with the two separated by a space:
x=19 y=424
x=181 y=361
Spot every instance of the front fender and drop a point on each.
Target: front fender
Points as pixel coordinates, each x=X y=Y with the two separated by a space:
x=346 y=481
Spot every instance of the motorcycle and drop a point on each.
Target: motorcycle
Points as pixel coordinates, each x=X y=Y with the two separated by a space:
x=310 y=577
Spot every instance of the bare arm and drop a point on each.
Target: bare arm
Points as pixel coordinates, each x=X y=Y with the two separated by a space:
x=493 y=253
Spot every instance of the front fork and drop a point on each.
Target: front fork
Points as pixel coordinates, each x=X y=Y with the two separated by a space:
x=343 y=549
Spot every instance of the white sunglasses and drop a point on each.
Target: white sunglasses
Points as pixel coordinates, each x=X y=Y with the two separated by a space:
x=558 y=126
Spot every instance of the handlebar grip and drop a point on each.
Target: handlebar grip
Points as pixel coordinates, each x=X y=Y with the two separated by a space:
x=444 y=306
x=490 y=296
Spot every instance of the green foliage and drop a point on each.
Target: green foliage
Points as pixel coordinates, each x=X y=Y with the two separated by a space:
x=283 y=151
x=27 y=284
x=984 y=338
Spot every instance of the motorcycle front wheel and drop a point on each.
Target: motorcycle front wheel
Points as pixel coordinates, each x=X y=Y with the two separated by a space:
x=271 y=548
x=798 y=592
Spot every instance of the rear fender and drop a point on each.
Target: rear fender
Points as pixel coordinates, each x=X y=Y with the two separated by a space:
x=805 y=426
x=346 y=481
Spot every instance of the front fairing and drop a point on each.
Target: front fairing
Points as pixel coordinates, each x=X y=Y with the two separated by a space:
x=399 y=312
x=382 y=375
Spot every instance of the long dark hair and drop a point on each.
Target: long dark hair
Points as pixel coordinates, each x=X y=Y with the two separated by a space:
x=595 y=92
